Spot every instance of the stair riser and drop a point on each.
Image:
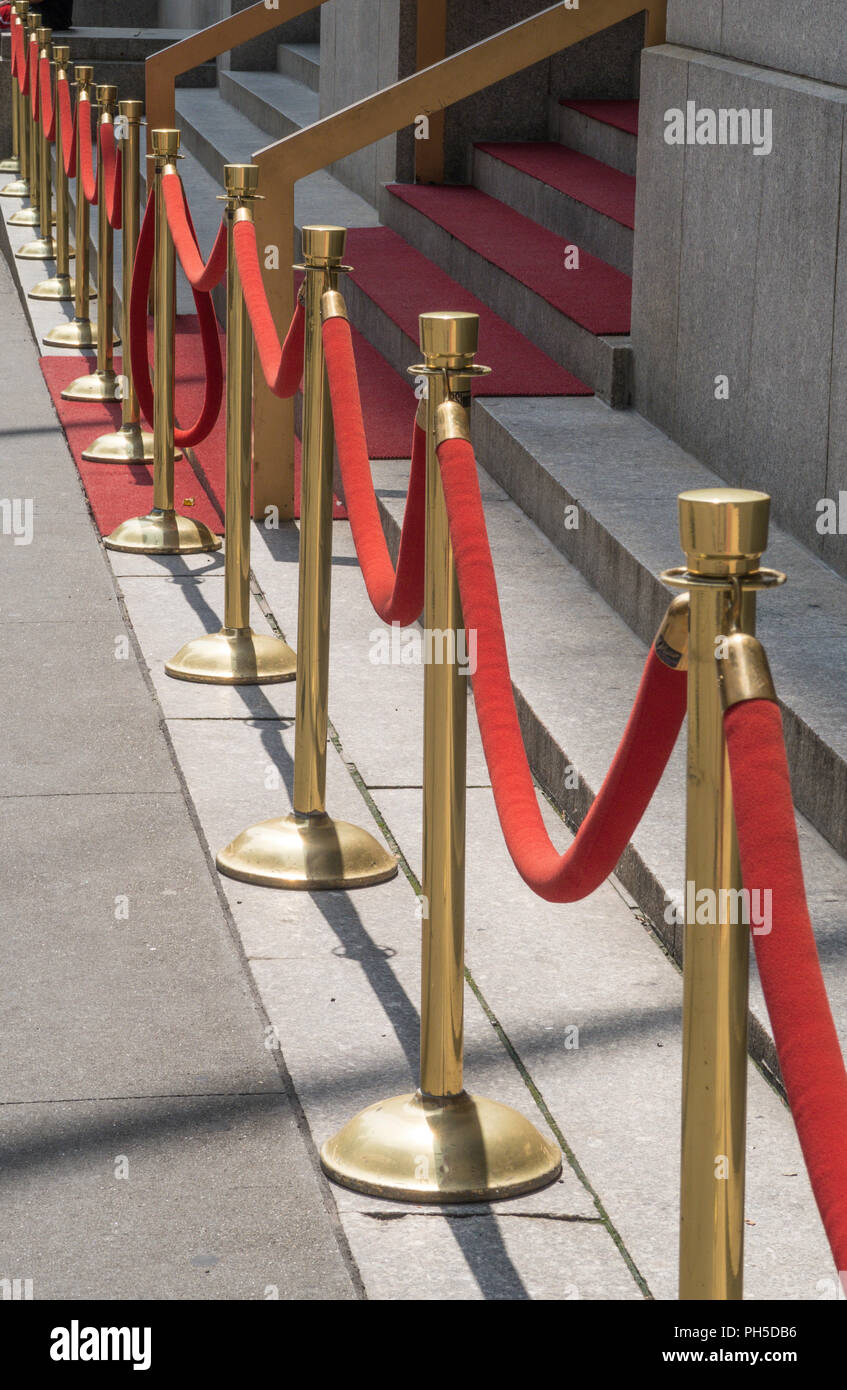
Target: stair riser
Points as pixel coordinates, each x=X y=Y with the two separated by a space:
x=596 y=138
x=602 y=363
x=275 y=123
x=819 y=775
x=298 y=67
x=588 y=229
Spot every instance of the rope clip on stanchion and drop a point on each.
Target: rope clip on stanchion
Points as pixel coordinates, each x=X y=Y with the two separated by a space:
x=59 y=286
x=308 y=849
x=723 y=533
x=131 y=443
x=80 y=331
x=43 y=248
x=440 y=1144
x=17 y=162
x=162 y=531
x=101 y=384
x=236 y=655
x=28 y=216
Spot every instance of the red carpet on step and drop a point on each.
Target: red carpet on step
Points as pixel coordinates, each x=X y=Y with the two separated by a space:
x=621 y=114
x=596 y=296
x=587 y=180
x=404 y=284
x=119 y=491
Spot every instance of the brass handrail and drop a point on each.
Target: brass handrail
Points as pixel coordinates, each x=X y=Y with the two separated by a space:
x=344 y=132
x=163 y=68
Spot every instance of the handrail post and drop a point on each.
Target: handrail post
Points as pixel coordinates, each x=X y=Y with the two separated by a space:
x=236 y=655
x=440 y=1144
x=723 y=533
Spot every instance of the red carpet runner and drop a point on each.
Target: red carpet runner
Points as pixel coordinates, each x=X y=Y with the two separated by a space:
x=119 y=491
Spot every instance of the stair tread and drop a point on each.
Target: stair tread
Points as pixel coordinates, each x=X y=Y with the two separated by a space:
x=621 y=114
x=310 y=51
x=414 y=284
x=596 y=296
x=293 y=99
x=580 y=177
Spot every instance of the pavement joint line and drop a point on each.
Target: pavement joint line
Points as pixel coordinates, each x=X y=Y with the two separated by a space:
x=486 y=1210
x=300 y=1119
x=144 y=1095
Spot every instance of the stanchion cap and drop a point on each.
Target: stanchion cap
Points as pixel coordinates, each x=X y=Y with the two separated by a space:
x=165 y=142
x=723 y=530
x=61 y=52
x=449 y=340
x=107 y=95
x=324 y=245
x=132 y=110
x=241 y=180
x=83 y=73
x=43 y=36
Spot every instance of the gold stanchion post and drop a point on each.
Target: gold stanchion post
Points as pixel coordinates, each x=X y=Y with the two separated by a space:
x=44 y=247
x=59 y=286
x=236 y=655
x=308 y=849
x=102 y=383
x=440 y=1144
x=30 y=216
x=79 y=332
x=16 y=164
x=723 y=532
x=131 y=443
x=163 y=531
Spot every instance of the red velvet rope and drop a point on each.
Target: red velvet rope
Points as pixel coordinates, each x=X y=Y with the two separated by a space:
x=112 y=174
x=32 y=77
x=46 y=98
x=647 y=743
x=17 y=52
x=282 y=367
x=86 y=156
x=141 y=274
x=68 y=122
x=804 y=1032
x=396 y=598
x=201 y=275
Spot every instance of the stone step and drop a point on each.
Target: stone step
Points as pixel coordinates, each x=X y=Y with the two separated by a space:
x=118 y=56
x=579 y=198
x=107 y=12
x=481 y=243
x=602 y=129
x=276 y=104
x=301 y=62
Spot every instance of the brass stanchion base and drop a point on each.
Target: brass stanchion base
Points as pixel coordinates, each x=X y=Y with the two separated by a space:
x=308 y=852
x=42 y=249
x=58 y=287
x=73 y=333
x=12 y=165
x=25 y=217
x=162 y=533
x=18 y=188
x=234 y=656
x=417 y=1148
x=129 y=444
x=96 y=386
